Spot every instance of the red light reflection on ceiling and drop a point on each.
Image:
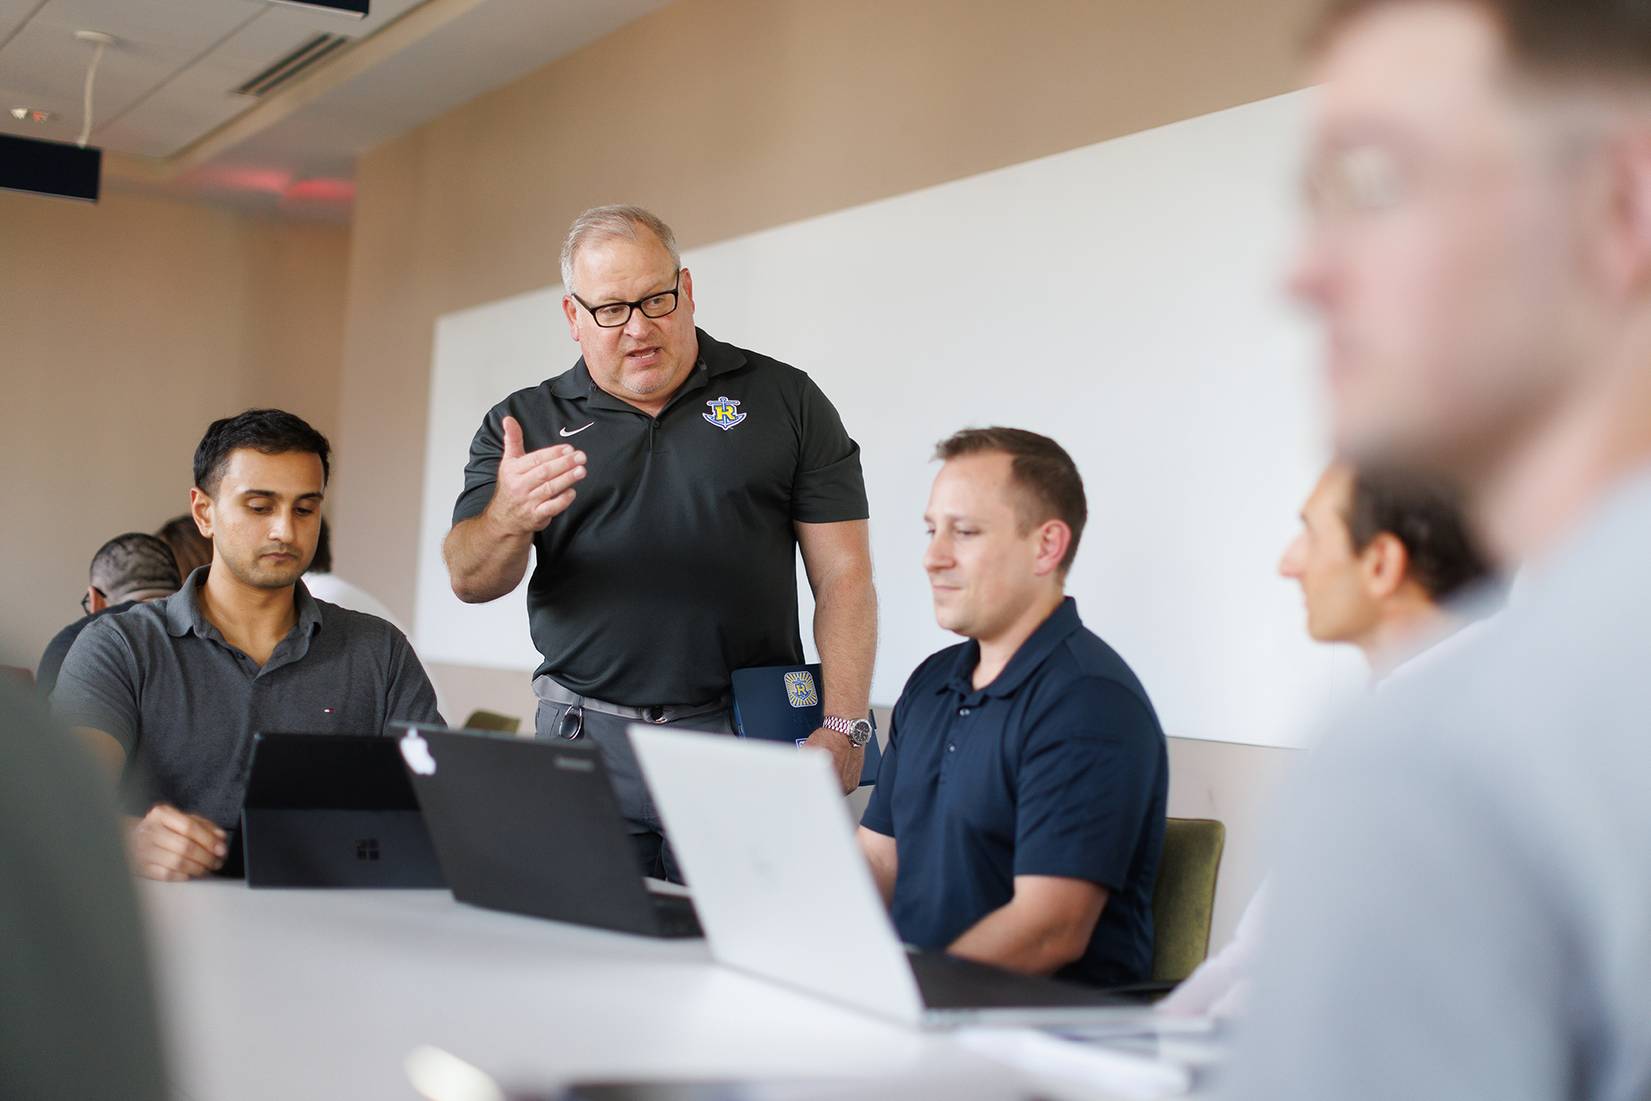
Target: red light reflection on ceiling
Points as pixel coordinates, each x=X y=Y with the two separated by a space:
x=270 y=181
x=325 y=190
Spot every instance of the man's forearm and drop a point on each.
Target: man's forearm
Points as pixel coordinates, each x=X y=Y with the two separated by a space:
x=882 y=857
x=484 y=563
x=1019 y=938
x=109 y=753
x=845 y=632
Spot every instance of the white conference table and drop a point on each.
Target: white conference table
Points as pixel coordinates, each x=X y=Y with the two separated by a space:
x=322 y=994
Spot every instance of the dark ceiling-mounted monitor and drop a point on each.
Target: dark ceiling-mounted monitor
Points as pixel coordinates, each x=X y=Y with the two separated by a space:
x=355 y=9
x=49 y=168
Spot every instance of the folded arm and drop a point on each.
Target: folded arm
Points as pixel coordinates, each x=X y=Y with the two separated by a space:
x=1044 y=927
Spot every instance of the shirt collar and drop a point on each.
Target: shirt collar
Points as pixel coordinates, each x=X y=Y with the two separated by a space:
x=715 y=358
x=1032 y=654
x=183 y=609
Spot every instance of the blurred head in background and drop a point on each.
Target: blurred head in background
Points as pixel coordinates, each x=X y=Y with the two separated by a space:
x=1479 y=245
x=189 y=547
x=1379 y=555
x=133 y=566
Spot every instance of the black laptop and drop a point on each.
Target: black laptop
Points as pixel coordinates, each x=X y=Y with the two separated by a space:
x=533 y=827
x=333 y=810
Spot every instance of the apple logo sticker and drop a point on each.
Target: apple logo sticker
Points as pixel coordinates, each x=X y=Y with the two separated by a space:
x=416 y=752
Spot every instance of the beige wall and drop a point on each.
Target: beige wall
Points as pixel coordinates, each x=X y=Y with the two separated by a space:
x=125 y=327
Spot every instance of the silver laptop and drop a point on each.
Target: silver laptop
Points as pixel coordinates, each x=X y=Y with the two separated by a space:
x=766 y=842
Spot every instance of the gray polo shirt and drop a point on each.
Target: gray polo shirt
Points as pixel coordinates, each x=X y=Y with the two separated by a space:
x=184 y=703
x=1462 y=908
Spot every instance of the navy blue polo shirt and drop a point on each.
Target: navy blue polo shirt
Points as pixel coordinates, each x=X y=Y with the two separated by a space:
x=1056 y=768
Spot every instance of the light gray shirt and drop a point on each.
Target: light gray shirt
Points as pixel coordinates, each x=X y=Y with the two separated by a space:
x=1462 y=907
x=184 y=703
x=77 y=1006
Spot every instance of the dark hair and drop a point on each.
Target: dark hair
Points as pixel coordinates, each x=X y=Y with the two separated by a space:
x=272 y=431
x=1426 y=516
x=190 y=548
x=1048 y=480
x=1570 y=38
x=133 y=563
x=322 y=562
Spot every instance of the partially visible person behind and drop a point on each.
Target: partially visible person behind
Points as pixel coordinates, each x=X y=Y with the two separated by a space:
x=1018 y=818
x=77 y=1005
x=129 y=569
x=1461 y=905
x=169 y=694
x=191 y=549
x=1380 y=558
x=323 y=584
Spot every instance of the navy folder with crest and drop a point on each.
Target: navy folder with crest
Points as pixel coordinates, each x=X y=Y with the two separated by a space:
x=782 y=703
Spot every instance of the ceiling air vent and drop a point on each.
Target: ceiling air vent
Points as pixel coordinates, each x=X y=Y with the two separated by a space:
x=288 y=68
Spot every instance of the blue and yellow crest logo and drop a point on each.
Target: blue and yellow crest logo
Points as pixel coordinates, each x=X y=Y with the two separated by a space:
x=725 y=412
x=799 y=689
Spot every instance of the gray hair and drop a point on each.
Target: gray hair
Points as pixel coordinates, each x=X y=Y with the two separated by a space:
x=604 y=222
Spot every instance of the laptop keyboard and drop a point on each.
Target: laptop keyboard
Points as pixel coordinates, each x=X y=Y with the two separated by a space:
x=947 y=982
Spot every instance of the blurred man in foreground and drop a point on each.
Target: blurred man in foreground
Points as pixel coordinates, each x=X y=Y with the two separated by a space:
x=1462 y=906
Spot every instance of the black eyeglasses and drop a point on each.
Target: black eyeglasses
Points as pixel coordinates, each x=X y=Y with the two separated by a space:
x=613 y=315
x=86 y=599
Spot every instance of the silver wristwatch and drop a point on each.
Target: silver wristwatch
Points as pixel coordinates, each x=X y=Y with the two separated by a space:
x=857 y=731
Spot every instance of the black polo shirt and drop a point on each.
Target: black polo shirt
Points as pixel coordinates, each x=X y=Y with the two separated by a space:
x=676 y=563
x=164 y=683
x=1058 y=768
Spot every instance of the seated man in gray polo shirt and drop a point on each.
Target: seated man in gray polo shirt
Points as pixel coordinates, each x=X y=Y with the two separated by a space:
x=170 y=693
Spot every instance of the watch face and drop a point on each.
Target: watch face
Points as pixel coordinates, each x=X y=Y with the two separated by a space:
x=860 y=731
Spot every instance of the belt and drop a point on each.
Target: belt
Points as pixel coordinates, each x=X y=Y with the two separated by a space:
x=658 y=714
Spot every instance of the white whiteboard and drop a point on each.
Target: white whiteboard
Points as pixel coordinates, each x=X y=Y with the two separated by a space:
x=1176 y=374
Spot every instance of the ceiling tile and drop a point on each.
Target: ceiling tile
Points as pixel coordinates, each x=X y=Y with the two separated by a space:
x=169 y=81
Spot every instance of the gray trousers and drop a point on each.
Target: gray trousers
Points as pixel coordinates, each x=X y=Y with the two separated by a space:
x=558 y=716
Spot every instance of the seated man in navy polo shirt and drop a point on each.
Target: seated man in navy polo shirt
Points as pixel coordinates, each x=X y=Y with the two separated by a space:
x=1019 y=815
x=170 y=694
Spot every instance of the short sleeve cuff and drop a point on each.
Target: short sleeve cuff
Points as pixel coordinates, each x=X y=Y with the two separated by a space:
x=79 y=713
x=877 y=818
x=831 y=494
x=472 y=502
x=1090 y=871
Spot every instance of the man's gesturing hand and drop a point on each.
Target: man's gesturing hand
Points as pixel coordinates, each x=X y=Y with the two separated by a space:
x=168 y=844
x=534 y=487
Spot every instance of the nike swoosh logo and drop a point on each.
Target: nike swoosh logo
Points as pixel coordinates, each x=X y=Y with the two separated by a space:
x=576 y=431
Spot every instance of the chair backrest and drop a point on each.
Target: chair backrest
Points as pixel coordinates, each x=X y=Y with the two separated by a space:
x=1183 y=902
x=492 y=720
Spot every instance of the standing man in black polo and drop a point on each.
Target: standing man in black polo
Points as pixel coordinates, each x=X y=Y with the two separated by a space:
x=665 y=483
x=1018 y=817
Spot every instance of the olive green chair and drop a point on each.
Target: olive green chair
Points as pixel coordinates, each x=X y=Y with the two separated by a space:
x=1183 y=902
x=492 y=720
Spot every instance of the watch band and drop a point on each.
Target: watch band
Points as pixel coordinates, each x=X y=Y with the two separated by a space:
x=857 y=731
